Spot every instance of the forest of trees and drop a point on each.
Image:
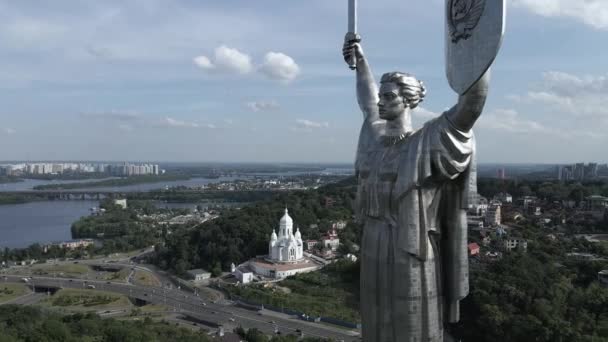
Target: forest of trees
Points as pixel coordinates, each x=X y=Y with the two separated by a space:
x=32 y=324
x=545 y=190
x=540 y=295
x=119 y=230
x=332 y=292
x=238 y=235
x=183 y=195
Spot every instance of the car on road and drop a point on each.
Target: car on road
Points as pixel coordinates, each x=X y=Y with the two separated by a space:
x=231 y=319
x=298 y=330
x=272 y=322
x=108 y=282
x=145 y=294
x=204 y=304
x=214 y=312
x=90 y=286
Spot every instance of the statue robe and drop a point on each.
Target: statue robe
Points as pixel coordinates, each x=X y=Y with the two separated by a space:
x=412 y=200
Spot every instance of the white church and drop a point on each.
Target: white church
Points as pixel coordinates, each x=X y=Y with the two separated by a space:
x=285 y=253
x=287 y=246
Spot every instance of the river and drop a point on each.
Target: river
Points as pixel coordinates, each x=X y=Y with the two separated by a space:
x=43 y=222
x=24 y=224
x=29 y=184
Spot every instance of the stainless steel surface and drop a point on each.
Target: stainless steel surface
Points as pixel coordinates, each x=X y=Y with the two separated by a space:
x=352 y=16
x=474 y=32
x=352 y=36
x=414 y=186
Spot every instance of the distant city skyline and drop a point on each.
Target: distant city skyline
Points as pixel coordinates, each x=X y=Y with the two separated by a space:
x=273 y=163
x=243 y=81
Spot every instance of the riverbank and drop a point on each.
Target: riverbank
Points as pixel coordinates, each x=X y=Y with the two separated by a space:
x=113 y=182
x=69 y=176
x=7 y=180
x=6 y=199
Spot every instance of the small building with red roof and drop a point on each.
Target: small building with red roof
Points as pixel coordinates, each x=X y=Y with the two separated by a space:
x=473 y=249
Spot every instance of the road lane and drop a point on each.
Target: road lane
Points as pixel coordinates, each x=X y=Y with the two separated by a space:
x=192 y=305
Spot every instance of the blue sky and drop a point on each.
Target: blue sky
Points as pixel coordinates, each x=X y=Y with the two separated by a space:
x=242 y=80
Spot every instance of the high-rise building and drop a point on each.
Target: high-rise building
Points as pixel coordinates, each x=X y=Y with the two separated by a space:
x=501 y=174
x=579 y=171
x=592 y=169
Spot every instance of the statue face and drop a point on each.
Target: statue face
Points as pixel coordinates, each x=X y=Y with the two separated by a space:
x=391 y=104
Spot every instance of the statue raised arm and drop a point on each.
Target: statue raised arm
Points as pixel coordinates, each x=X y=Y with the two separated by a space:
x=470 y=105
x=367 y=90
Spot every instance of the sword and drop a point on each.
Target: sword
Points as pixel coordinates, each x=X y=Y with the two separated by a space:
x=352 y=35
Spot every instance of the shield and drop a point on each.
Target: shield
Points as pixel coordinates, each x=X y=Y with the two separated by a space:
x=474 y=31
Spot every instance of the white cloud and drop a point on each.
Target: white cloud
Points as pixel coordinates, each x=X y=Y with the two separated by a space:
x=582 y=96
x=424 y=113
x=227 y=60
x=129 y=120
x=232 y=60
x=278 y=66
x=308 y=125
x=592 y=12
x=9 y=131
x=116 y=115
x=170 y=122
x=510 y=121
x=204 y=62
x=263 y=106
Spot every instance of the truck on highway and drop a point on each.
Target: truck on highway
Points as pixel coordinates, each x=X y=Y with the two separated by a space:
x=90 y=286
x=25 y=280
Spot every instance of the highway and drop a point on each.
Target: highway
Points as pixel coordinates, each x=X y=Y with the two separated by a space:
x=186 y=303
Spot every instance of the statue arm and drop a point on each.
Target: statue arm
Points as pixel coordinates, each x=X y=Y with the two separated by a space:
x=470 y=105
x=367 y=90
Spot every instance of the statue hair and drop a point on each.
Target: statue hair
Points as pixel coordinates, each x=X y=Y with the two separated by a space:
x=410 y=87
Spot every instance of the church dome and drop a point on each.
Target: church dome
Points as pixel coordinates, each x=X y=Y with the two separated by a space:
x=286 y=220
x=273 y=236
x=298 y=234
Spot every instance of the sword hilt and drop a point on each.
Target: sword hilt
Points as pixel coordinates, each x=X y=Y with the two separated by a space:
x=352 y=37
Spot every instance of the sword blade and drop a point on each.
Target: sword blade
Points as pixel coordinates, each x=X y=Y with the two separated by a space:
x=352 y=16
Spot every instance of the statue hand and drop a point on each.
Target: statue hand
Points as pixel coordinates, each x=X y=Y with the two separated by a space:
x=352 y=50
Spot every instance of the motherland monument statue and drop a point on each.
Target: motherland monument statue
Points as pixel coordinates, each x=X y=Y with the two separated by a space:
x=414 y=185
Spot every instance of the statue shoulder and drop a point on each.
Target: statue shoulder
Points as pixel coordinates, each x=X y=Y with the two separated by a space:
x=369 y=138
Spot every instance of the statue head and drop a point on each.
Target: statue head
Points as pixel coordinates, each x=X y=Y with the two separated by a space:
x=399 y=93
